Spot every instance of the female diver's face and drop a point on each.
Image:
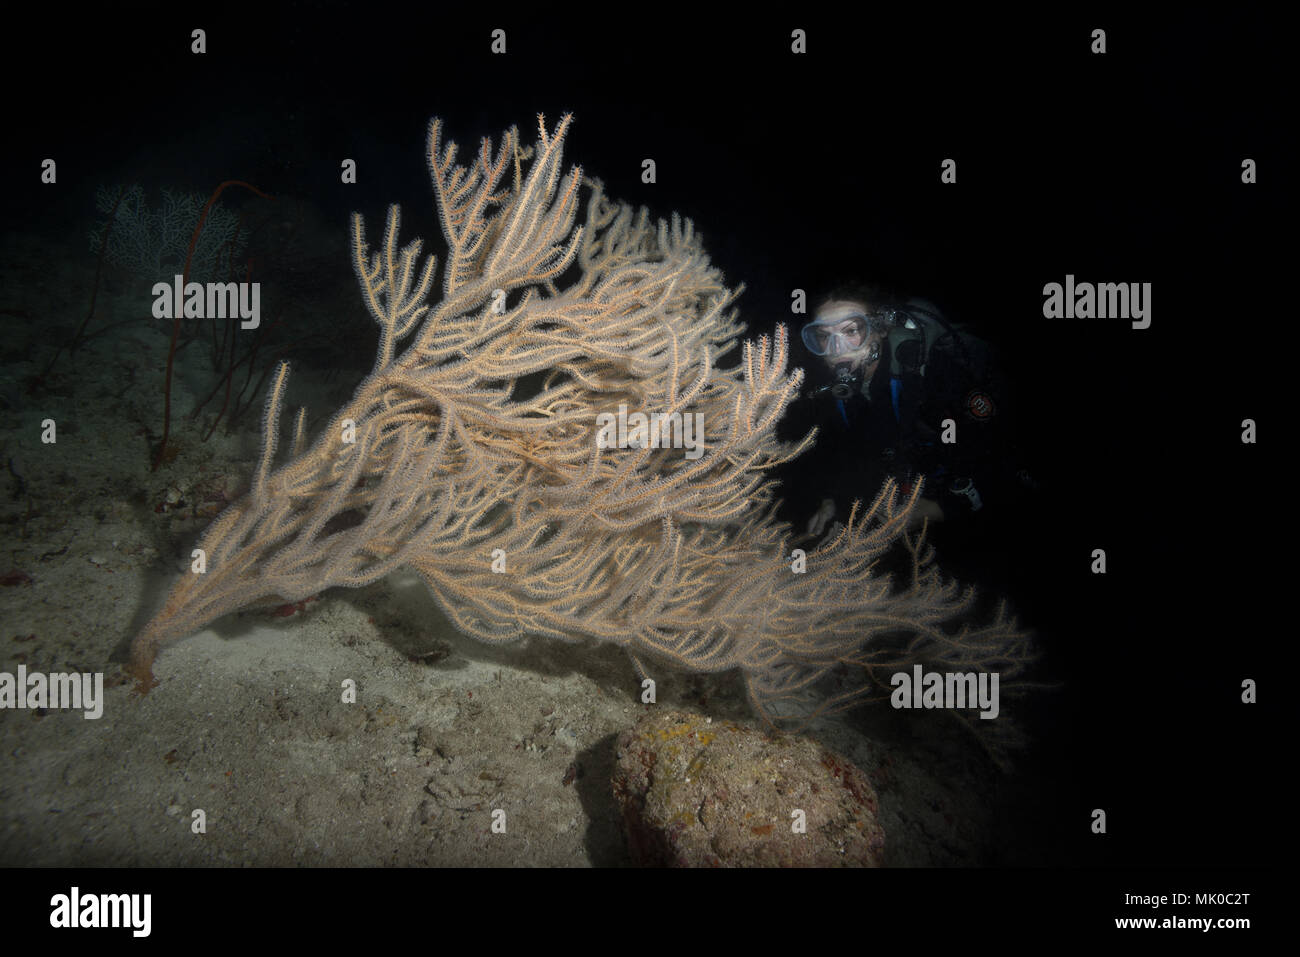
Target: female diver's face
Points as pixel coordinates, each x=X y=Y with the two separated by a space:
x=849 y=338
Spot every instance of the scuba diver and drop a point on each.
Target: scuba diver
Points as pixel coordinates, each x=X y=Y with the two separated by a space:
x=899 y=380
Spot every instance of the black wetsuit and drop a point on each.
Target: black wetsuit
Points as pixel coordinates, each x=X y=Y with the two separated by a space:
x=893 y=429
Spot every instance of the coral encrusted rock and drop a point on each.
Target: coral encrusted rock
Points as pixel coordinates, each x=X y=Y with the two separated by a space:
x=695 y=792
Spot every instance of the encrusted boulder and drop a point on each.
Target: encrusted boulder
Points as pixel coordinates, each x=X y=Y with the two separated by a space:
x=695 y=792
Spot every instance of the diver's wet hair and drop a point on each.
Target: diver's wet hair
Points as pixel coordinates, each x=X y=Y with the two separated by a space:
x=877 y=298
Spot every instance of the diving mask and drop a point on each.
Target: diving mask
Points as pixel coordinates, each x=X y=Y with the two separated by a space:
x=839 y=335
